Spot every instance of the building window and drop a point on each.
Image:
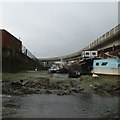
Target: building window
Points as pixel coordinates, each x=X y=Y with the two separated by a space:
x=97 y=64
x=104 y=63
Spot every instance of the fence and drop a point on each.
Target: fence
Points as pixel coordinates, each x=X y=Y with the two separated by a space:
x=30 y=55
x=103 y=37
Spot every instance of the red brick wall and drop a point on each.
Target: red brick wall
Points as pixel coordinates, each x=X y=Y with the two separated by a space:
x=9 y=41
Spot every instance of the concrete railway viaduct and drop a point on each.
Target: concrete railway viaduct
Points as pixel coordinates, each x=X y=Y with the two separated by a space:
x=103 y=43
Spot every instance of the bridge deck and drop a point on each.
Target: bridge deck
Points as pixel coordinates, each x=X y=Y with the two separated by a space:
x=105 y=41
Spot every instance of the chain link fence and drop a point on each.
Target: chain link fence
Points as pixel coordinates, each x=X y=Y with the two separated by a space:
x=30 y=55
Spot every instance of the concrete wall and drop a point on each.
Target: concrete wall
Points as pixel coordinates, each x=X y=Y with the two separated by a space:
x=14 y=61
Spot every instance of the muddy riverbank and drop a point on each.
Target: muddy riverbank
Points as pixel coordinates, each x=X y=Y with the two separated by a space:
x=41 y=82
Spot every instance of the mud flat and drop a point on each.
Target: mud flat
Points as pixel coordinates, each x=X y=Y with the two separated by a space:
x=41 y=95
x=41 y=82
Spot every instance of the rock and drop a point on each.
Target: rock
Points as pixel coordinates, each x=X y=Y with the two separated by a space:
x=117 y=88
x=81 y=89
x=21 y=81
x=73 y=89
x=48 y=92
x=66 y=92
x=16 y=84
x=24 y=83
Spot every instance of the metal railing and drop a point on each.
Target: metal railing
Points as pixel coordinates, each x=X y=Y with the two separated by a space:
x=106 y=35
x=30 y=55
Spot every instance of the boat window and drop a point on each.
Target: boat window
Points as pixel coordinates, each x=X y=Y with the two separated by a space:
x=97 y=64
x=87 y=53
x=118 y=65
x=94 y=53
x=104 y=63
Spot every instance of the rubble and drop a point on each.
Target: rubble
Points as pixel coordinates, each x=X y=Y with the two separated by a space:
x=70 y=86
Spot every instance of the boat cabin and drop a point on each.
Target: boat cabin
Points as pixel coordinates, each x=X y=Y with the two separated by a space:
x=89 y=54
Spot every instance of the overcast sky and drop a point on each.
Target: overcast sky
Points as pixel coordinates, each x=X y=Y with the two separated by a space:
x=57 y=29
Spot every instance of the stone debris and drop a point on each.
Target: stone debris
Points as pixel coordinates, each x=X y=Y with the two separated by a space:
x=43 y=85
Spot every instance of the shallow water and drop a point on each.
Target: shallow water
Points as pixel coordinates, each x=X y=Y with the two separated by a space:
x=53 y=106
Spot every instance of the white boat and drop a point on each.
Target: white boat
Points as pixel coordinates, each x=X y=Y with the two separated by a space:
x=109 y=66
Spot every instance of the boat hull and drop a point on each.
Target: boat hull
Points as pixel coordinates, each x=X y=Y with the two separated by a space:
x=106 y=71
